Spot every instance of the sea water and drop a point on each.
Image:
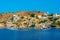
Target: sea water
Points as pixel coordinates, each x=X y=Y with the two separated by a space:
x=33 y=34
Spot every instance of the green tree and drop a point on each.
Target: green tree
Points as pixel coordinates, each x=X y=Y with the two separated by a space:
x=44 y=20
x=32 y=15
x=12 y=18
x=33 y=25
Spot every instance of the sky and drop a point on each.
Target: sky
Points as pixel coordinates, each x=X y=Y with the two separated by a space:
x=52 y=6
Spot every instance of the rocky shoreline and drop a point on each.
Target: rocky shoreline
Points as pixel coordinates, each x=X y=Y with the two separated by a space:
x=36 y=20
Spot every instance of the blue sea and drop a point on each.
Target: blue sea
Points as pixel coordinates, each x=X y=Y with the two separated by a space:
x=33 y=34
x=51 y=6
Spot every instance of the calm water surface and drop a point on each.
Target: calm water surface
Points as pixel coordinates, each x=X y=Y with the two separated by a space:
x=49 y=34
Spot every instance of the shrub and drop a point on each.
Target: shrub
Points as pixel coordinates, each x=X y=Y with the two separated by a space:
x=33 y=25
x=32 y=15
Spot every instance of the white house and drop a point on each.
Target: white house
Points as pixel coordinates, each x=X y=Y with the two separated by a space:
x=15 y=18
x=45 y=15
x=55 y=15
x=39 y=16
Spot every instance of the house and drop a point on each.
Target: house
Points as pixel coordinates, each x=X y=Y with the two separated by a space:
x=56 y=15
x=45 y=15
x=9 y=24
x=39 y=16
x=15 y=18
x=2 y=25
